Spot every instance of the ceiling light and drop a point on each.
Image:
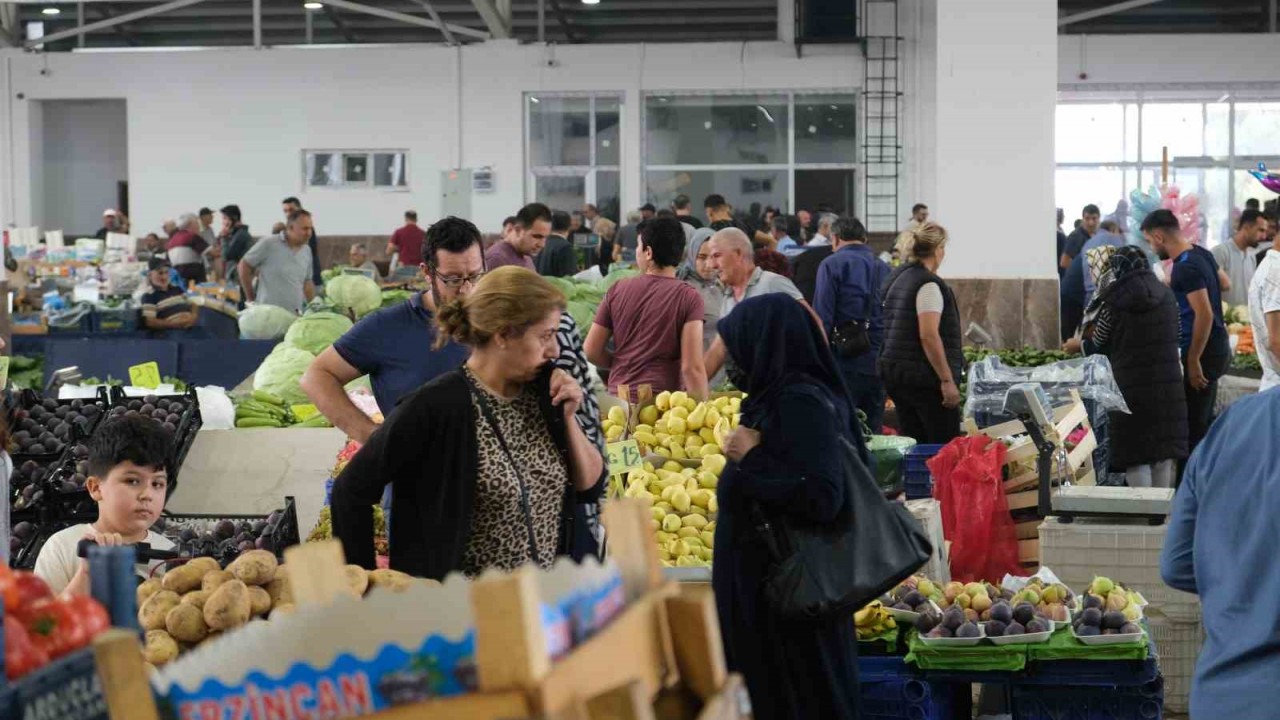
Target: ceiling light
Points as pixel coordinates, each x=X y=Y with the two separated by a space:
x=313 y=5
x=51 y=11
x=590 y=2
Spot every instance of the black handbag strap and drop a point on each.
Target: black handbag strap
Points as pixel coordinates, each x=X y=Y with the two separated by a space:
x=487 y=411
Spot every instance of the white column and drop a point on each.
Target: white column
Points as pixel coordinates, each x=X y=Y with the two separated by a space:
x=988 y=171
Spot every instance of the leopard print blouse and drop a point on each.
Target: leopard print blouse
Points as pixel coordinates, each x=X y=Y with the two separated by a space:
x=499 y=532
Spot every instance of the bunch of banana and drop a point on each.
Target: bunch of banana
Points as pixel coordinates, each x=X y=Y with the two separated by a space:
x=873 y=621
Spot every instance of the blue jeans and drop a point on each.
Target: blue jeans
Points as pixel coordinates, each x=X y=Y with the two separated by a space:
x=867 y=394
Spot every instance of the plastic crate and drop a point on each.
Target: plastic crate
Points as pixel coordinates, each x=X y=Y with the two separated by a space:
x=1128 y=553
x=1179 y=644
x=888 y=689
x=1047 y=702
x=70 y=684
x=116 y=320
x=915 y=471
x=285 y=535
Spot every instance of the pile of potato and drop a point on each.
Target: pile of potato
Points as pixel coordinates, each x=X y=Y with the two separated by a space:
x=199 y=601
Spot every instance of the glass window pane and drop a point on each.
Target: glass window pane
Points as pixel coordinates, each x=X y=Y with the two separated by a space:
x=608 y=200
x=1178 y=126
x=356 y=169
x=1089 y=133
x=742 y=188
x=716 y=129
x=1132 y=117
x=561 y=192
x=1256 y=129
x=559 y=131
x=1217 y=131
x=1076 y=187
x=322 y=169
x=825 y=126
x=389 y=170
x=607 y=131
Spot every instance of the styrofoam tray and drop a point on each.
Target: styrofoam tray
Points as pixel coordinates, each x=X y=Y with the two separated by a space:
x=908 y=616
x=954 y=641
x=1024 y=639
x=1109 y=639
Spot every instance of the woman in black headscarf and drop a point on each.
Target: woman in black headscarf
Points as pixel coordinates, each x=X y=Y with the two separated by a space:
x=783 y=459
x=1133 y=320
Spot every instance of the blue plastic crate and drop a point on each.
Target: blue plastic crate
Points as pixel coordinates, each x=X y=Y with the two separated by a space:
x=114 y=320
x=916 y=478
x=889 y=689
x=1044 y=702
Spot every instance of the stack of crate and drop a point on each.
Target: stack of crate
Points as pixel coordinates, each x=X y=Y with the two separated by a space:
x=1128 y=552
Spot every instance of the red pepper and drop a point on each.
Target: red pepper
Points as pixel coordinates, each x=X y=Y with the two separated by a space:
x=90 y=613
x=21 y=590
x=21 y=655
x=54 y=627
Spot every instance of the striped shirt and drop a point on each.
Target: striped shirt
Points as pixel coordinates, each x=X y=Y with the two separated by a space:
x=164 y=304
x=573 y=360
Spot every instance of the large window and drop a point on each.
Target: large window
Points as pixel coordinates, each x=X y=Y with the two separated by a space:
x=1105 y=150
x=785 y=150
x=353 y=169
x=573 y=150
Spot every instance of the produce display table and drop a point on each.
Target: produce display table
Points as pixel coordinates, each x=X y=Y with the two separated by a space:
x=1232 y=388
x=197 y=360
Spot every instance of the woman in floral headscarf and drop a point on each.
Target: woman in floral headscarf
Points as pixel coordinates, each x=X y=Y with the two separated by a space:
x=1133 y=320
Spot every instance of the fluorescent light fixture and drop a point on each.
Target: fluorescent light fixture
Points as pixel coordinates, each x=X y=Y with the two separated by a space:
x=51 y=11
x=590 y=2
x=1224 y=97
x=313 y=5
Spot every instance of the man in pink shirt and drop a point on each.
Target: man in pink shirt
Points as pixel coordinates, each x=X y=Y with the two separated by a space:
x=407 y=241
x=526 y=239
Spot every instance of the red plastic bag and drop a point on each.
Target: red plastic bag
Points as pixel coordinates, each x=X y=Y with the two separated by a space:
x=968 y=483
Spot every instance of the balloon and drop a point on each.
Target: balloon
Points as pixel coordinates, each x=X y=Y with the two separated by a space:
x=1269 y=180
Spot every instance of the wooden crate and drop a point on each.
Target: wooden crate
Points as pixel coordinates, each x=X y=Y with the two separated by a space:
x=665 y=644
x=1023 y=490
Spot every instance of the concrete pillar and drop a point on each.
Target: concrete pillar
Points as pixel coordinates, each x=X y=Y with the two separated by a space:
x=989 y=86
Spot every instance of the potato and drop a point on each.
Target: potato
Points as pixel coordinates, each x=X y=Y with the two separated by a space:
x=213 y=579
x=228 y=607
x=259 y=601
x=206 y=564
x=183 y=579
x=393 y=580
x=279 y=589
x=146 y=590
x=357 y=579
x=281 y=610
x=151 y=615
x=160 y=648
x=186 y=624
x=255 y=567
x=197 y=598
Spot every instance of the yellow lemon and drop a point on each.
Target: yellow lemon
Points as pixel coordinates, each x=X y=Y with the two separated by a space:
x=708 y=434
x=663 y=452
x=646 y=439
x=644 y=428
x=713 y=505
x=671 y=523
x=709 y=449
x=708 y=538
x=677 y=425
x=664 y=538
x=697 y=417
x=657 y=514
x=614 y=433
x=706 y=553
x=695 y=510
x=688 y=532
x=678 y=453
x=680 y=501
x=664 y=506
x=617 y=415
x=708 y=480
x=693 y=521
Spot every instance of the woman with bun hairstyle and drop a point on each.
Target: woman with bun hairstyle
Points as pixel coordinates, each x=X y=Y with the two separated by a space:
x=922 y=360
x=485 y=462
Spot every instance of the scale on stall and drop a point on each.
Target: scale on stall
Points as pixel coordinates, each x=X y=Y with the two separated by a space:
x=1058 y=495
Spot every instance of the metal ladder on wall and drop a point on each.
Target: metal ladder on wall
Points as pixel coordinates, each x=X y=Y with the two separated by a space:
x=881 y=114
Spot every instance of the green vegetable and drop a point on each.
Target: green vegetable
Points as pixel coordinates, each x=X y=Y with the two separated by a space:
x=614 y=276
x=317 y=421
x=282 y=371
x=317 y=331
x=269 y=398
x=252 y=422
x=356 y=293
x=395 y=297
x=265 y=322
x=582 y=314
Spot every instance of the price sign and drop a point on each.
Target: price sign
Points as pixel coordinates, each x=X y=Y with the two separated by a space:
x=624 y=456
x=146 y=375
x=4 y=370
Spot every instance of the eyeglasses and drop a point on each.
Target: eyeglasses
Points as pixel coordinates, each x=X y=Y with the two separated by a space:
x=453 y=282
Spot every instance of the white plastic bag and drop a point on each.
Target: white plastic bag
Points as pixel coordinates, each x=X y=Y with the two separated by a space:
x=216 y=410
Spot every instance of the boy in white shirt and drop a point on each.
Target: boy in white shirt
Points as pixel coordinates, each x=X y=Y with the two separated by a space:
x=128 y=478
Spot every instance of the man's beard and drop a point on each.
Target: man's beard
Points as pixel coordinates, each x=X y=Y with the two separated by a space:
x=1162 y=254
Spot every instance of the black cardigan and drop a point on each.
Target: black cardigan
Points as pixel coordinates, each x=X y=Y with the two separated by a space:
x=427 y=450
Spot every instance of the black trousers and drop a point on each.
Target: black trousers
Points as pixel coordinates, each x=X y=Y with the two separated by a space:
x=1200 y=402
x=921 y=414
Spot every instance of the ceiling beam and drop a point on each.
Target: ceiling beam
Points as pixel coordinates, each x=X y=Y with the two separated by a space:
x=1104 y=11
x=339 y=23
x=570 y=31
x=402 y=17
x=435 y=17
x=499 y=26
x=112 y=22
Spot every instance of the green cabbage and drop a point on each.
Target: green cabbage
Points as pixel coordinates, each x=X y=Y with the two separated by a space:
x=614 y=276
x=281 y=373
x=317 y=331
x=395 y=297
x=583 y=314
x=356 y=293
x=265 y=322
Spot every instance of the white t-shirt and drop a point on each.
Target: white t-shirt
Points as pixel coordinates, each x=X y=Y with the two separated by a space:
x=1264 y=297
x=929 y=299
x=58 y=561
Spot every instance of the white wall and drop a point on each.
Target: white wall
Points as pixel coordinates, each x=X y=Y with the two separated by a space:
x=1155 y=60
x=219 y=126
x=85 y=155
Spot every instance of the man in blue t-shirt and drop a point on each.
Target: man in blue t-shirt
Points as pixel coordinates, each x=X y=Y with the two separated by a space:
x=394 y=346
x=1202 y=335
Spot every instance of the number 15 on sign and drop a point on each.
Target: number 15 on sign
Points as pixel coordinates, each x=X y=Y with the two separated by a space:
x=624 y=457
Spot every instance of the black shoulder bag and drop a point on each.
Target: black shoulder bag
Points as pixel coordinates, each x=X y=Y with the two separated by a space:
x=852 y=339
x=820 y=571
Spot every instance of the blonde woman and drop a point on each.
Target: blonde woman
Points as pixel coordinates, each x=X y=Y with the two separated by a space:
x=922 y=362
x=485 y=462
x=606 y=229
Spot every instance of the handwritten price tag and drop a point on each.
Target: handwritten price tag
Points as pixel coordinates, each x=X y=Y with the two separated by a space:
x=624 y=456
x=146 y=375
